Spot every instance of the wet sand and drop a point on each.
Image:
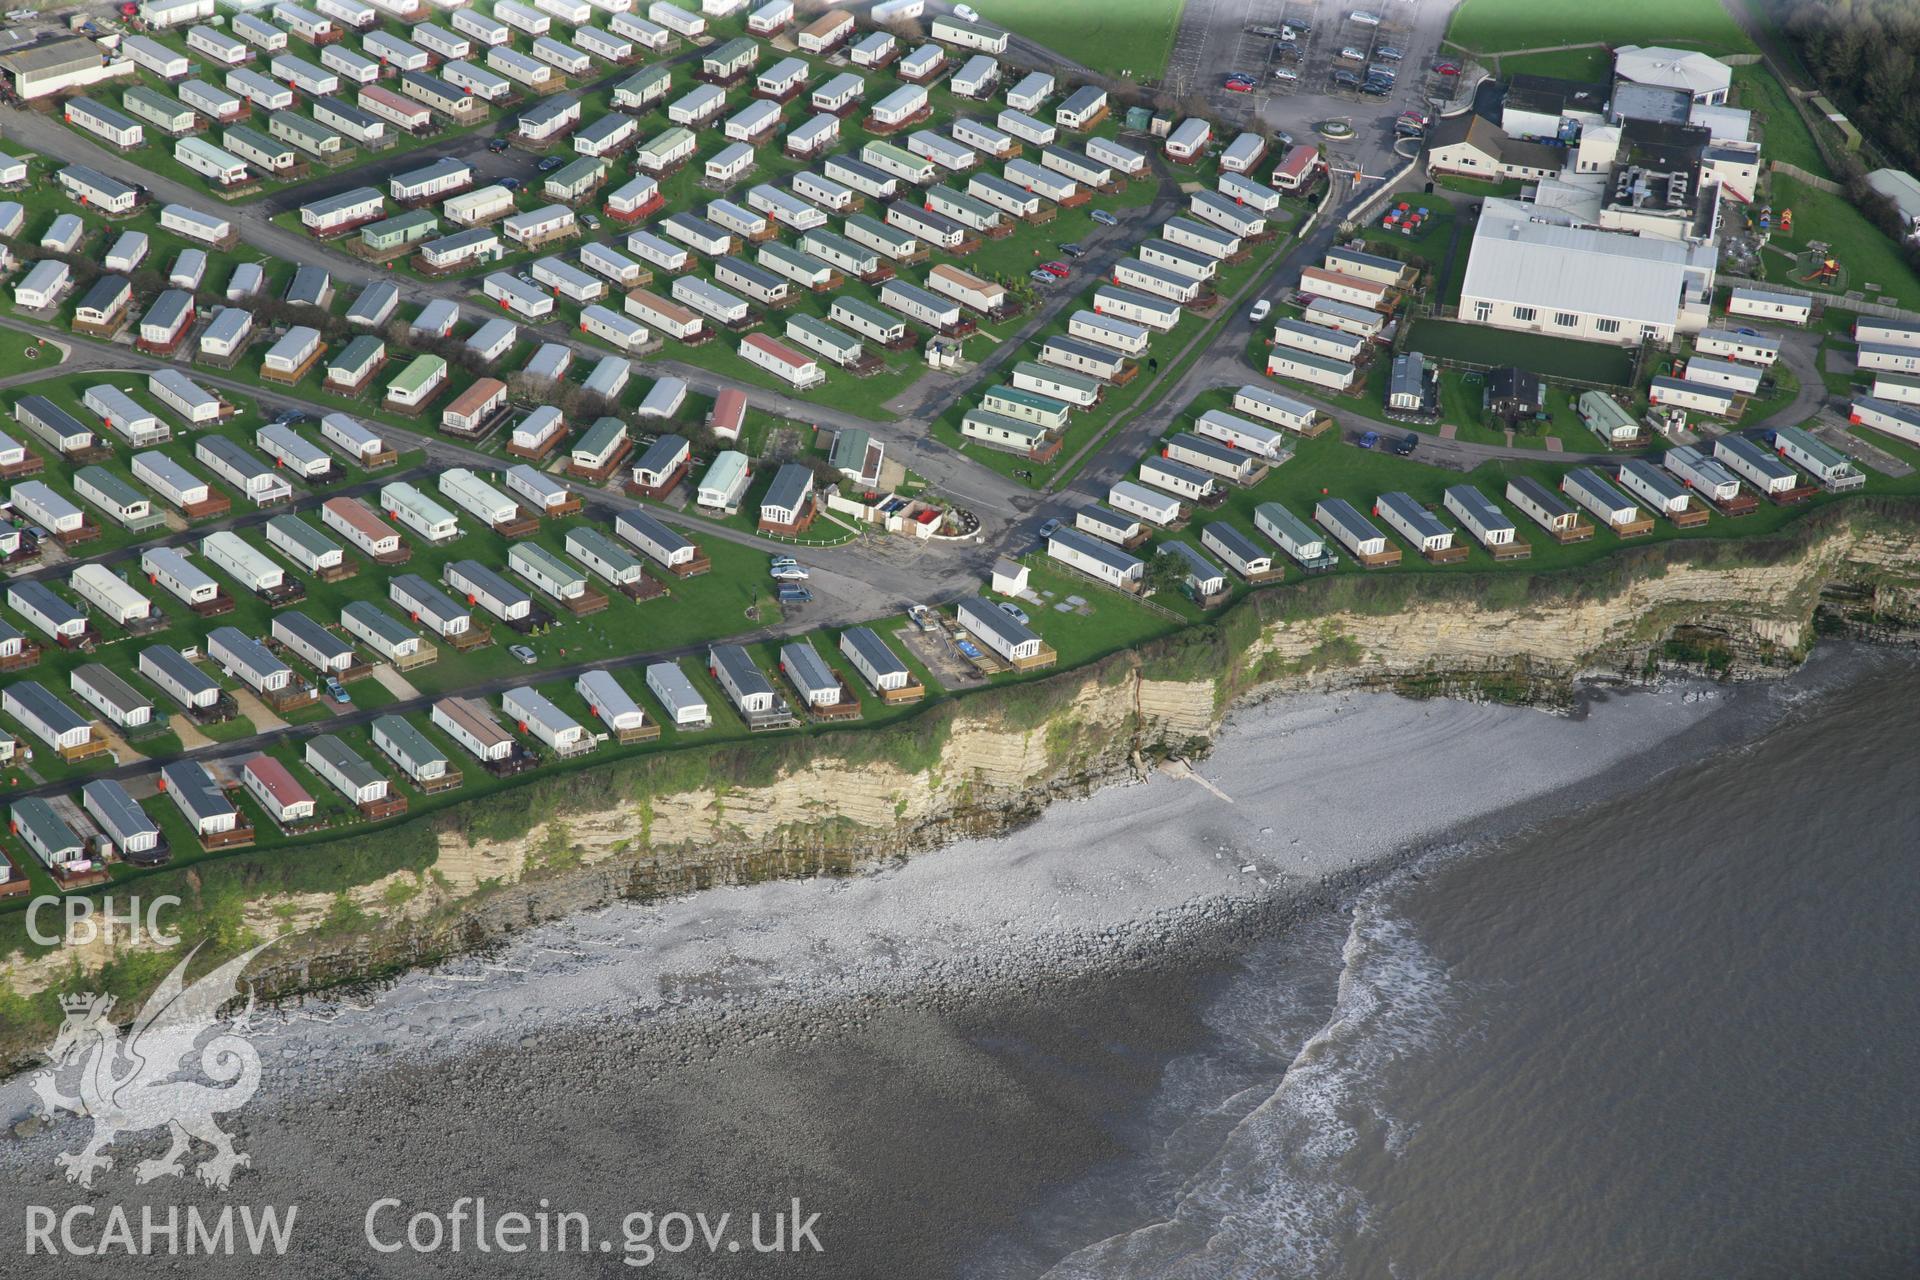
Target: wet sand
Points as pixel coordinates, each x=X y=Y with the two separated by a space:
x=923 y=1055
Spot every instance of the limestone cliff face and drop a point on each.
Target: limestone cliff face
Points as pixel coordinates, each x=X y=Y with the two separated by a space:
x=991 y=761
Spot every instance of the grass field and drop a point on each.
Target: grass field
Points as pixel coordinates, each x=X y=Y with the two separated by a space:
x=1548 y=357
x=1866 y=256
x=1784 y=134
x=1590 y=65
x=14 y=359
x=1490 y=26
x=1119 y=37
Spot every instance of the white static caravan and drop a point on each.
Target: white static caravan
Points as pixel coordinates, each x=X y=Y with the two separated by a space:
x=1133 y=499
x=1241 y=433
x=543 y=494
x=470 y=723
x=1480 y=515
x=1598 y=495
x=110 y=594
x=1822 y=461
x=685 y=708
x=1751 y=348
x=1658 y=488
x=1700 y=397
x=1139 y=308
x=1096 y=558
x=610 y=326
x=407 y=505
x=1272 y=406
x=1899 y=419
x=428 y=605
x=1741 y=379
x=1118 y=335
x=976 y=77
x=483 y=587
x=1412 y=521
x=1765 y=304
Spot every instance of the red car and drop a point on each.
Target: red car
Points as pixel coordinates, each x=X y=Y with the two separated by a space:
x=1060 y=269
x=1446 y=68
x=1240 y=84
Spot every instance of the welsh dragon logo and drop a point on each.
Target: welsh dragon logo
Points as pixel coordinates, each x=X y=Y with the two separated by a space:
x=133 y=1081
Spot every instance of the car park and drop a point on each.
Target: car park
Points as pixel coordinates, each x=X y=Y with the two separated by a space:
x=523 y=655
x=1261 y=310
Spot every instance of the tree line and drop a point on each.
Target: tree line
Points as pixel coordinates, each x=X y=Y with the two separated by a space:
x=1865 y=55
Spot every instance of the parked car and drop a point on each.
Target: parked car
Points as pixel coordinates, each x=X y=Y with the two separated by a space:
x=1377 y=88
x=1073 y=250
x=1406 y=444
x=550 y=164
x=337 y=691
x=1446 y=68
x=522 y=654
x=512 y=184
x=1105 y=219
x=1368 y=439
x=1060 y=269
x=1387 y=53
x=1362 y=18
x=1286 y=74
x=789 y=573
x=966 y=13
x=789 y=593
x=1014 y=611
x=782 y=562
x=1048 y=529
x=1261 y=310
x=1346 y=79
x=1042 y=277
x=496 y=145
x=592 y=221
x=1287 y=49
x=1238 y=83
